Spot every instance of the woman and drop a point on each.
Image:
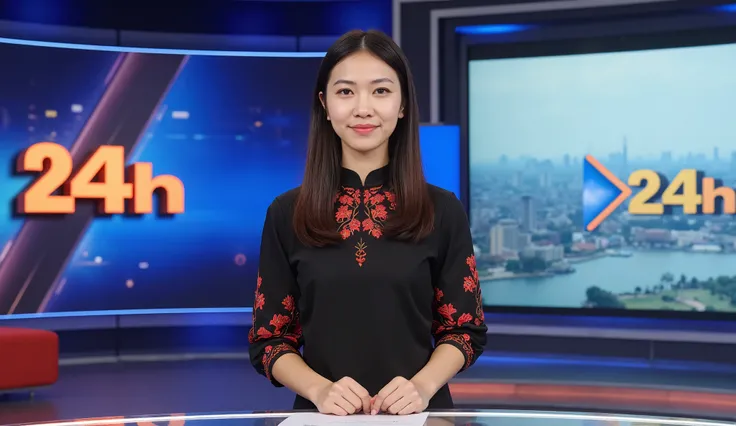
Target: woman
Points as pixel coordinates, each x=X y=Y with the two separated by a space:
x=366 y=263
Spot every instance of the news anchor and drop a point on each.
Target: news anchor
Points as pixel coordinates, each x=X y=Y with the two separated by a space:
x=366 y=264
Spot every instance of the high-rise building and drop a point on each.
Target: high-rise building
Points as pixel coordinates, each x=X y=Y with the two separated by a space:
x=504 y=237
x=528 y=214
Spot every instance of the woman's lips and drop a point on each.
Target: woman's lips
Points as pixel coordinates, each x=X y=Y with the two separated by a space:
x=363 y=129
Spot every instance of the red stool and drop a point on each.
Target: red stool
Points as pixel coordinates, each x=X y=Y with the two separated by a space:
x=28 y=358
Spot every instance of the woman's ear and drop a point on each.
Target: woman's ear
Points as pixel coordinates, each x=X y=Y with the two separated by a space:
x=401 y=112
x=322 y=100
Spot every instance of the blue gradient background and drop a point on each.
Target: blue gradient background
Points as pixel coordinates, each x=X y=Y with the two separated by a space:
x=243 y=144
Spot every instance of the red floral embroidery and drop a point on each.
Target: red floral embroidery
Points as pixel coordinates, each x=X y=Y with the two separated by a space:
x=438 y=294
x=471 y=284
x=463 y=341
x=260 y=300
x=376 y=204
x=445 y=319
x=463 y=319
x=446 y=312
x=270 y=353
x=376 y=210
x=347 y=212
x=283 y=325
x=360 y=253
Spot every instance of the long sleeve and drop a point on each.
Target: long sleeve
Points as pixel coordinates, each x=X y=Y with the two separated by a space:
x=458 y=307
x=276 y=329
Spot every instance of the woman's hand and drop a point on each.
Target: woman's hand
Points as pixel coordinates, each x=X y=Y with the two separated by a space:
x=400 y=396
x=343 y=397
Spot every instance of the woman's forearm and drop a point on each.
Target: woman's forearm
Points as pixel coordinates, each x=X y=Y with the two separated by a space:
x=291 y=371
x=443 y=365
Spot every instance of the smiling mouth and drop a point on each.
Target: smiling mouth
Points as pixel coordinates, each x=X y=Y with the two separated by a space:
x=363 y=129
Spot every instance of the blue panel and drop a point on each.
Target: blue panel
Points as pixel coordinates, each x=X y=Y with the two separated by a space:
x=287 y=18
x=271 y=43
x=441 y=156
x=316 y=43
x=364 y=15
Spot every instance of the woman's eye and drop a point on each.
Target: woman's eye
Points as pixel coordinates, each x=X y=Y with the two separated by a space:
x=382 y=91
x=344 y=92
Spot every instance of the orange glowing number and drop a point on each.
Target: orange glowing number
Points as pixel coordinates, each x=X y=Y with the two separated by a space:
x=112 y=191
x=38 y=197
x=54 y=193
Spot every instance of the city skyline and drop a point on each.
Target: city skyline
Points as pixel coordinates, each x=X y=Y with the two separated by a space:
x=674 y=101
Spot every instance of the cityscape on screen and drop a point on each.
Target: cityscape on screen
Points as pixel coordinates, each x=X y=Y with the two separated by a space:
x=533 y=121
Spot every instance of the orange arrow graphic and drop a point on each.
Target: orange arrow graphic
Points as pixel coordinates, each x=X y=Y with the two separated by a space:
x=618 y=183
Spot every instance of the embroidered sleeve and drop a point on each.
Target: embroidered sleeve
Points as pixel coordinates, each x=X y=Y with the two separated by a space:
x=276 y=330
x=458 y=306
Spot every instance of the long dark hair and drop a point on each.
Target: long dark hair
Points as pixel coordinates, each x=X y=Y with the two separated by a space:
x=314 y=214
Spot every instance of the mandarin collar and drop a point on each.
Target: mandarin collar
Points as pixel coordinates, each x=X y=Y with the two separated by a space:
x=351 y=179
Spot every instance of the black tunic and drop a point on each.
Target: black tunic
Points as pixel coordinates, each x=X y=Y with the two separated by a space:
x=370 y=307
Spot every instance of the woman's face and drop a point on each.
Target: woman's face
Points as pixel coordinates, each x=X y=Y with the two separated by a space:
x=363 y=102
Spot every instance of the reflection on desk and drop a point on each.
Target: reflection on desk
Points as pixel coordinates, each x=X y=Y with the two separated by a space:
x=443 y=418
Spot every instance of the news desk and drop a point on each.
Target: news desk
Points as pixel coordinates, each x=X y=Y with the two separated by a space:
x=445 y=418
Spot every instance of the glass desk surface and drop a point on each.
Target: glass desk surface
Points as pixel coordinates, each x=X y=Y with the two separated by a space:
x=445 y=418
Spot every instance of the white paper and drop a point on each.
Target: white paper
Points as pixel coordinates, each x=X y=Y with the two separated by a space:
x=317 y=419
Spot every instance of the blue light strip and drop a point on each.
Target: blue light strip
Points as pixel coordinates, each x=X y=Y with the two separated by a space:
x=493 y=359
x=491 y=29
x=726 y=8
x=129 y=312
x=124 y=49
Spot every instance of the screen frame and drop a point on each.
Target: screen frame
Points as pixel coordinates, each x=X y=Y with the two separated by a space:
x=469 y=49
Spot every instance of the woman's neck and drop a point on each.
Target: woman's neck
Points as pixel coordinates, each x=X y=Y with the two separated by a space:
x=363 y=163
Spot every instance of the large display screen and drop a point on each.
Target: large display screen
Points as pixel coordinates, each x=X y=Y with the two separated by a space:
x=603 y=180
x=229 y=129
